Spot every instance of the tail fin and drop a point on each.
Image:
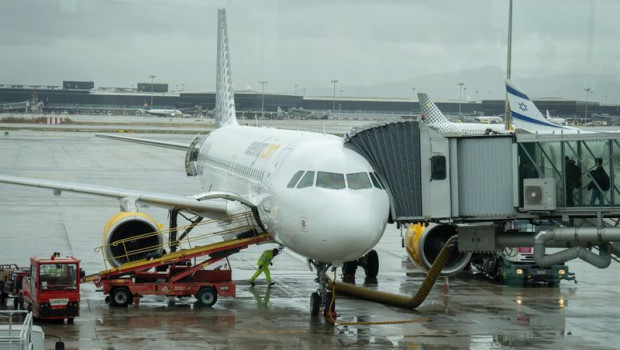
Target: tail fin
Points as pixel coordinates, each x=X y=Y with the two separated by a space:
x=524 y=113
x=224 y=95
x=430 y=113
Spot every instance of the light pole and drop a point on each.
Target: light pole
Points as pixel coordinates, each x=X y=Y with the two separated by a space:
x=152 y=77
x=507 y=116
x=295 y=89
x=334 y=81
x=460 y=96
x=413 y=101
x=262 y=99
x=587 y=90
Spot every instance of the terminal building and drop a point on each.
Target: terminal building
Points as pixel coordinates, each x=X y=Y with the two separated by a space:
x=81 y=97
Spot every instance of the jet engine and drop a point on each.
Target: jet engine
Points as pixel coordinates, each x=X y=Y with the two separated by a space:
x=130 y=236
x=423 y=244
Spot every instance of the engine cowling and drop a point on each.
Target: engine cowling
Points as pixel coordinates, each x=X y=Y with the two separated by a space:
x=130 y=236
x=423 y=244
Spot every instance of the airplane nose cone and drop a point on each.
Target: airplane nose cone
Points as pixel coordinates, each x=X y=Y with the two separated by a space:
x=353 y=225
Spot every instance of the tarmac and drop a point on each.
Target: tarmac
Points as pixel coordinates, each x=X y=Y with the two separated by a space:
x=467 y=312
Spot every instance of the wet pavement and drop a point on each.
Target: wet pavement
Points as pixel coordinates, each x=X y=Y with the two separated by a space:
x=470 y=313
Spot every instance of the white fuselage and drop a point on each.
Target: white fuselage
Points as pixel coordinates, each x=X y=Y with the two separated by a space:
x=467 y=128
x=323 y=221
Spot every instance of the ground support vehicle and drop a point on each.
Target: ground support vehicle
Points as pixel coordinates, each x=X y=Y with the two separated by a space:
x=8 y=277
x=530 y=274
x=516 y=266
x=11 y=286
x=177 y=274
x=51 y=290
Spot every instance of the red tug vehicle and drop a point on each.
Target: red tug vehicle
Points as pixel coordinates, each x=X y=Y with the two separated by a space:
x=52 y=288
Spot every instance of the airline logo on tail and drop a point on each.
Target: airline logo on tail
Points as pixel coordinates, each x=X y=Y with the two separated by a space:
x=524 y=113
x=437 y=120
x=432 y=115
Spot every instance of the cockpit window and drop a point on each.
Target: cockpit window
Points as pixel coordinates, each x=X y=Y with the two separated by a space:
x=375 y=180
x=307 y=180
x=330 y=180
x=294 y=179
x=358 y=181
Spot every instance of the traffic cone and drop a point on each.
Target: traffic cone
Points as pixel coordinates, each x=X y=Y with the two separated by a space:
x=446 y=286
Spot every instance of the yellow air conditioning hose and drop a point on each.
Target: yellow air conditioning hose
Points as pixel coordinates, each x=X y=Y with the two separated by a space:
x=395 y=299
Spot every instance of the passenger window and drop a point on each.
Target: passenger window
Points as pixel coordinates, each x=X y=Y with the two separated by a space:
x=375 y=180
x=294 y=179
x=330 y=180
x=438 y=168
x=307 y=180
x=358 y=181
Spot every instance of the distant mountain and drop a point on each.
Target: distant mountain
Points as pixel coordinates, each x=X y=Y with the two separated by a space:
x=489 y=83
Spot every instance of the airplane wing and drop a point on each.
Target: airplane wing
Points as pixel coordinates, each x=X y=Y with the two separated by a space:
x=149 y=142
x=215 y=204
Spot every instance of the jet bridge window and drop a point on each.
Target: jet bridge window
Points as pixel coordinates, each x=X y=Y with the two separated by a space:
x=330 y=180
x=358 y=181
x=307 y=180
x=294 y=179
x=438 y=168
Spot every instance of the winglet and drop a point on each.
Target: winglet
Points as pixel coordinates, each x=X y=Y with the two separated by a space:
x=431 y=114
x=224 y=95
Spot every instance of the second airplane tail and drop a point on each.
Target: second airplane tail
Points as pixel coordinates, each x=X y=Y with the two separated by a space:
x=430 y=113
x=525 y=115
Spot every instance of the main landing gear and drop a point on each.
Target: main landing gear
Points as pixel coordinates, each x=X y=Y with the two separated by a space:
x=370 y=263
x=322 y=298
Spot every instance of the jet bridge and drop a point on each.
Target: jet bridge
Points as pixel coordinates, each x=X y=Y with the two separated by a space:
x=484 y=186
x=431 y=176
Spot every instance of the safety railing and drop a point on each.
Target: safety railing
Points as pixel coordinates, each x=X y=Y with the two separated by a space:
x=233 y=225
x=15 y=335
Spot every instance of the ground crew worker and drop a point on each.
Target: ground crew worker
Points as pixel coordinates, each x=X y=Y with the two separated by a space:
x=263 y=265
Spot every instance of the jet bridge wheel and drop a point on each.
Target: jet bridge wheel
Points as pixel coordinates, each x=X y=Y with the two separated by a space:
x=120 y=296
x=207 y=296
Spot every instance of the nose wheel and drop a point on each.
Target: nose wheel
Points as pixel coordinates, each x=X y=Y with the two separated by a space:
x=321 y=299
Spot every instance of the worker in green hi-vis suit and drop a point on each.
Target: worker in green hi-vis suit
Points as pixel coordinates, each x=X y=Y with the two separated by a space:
x=263 y=265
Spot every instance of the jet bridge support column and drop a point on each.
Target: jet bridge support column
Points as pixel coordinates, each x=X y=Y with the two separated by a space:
x=577 y=240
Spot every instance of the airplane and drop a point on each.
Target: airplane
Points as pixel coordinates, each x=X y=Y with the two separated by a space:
x=560 y=121
x=489 y=120
x=525 y=115
x=162 y=112
x=437 y=120
x=313 y=195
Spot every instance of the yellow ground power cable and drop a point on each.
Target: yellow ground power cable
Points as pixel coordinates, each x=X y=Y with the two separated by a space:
x=394 y=299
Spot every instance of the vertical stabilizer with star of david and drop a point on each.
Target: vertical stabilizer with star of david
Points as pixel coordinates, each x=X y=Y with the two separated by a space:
x=524 y=113
x=224 y=95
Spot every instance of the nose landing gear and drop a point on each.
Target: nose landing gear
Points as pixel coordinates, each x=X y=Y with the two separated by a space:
x=322 y=298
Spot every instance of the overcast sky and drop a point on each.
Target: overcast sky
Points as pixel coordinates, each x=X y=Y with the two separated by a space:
x=308 y=43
